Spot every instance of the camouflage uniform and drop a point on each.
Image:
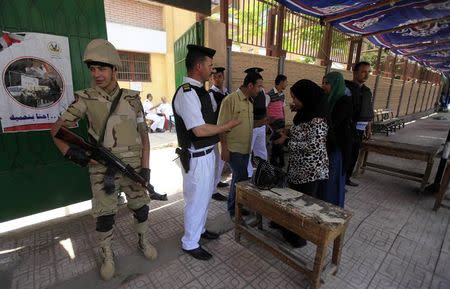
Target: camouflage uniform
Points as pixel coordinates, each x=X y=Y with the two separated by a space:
x=122 y=137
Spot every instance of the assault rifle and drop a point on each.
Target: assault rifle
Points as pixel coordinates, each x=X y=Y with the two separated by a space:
x=108 y=159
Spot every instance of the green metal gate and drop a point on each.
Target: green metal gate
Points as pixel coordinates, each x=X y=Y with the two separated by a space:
x=194 y=35
x=33 y=175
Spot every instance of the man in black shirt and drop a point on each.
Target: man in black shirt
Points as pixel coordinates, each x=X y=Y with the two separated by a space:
x=362 y=112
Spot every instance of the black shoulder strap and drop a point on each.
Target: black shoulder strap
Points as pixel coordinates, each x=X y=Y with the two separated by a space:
x=111 y=110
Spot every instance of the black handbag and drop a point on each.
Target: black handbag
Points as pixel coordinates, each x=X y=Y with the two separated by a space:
x=268 y=176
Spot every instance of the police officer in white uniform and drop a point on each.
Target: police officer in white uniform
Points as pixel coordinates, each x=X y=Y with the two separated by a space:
x=260 y=103
x=197 y=135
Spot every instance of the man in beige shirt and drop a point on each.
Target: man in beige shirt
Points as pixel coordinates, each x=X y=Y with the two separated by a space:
x=236 y=144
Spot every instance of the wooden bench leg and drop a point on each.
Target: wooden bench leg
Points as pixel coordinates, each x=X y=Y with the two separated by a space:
x=318 y=265
x=426 y=176
x=442 y=188
x=358 y=164
x=259 y=221
x=337 y=251
x=237 y=221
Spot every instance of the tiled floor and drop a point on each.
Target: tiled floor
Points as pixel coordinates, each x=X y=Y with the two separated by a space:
x=394 y=240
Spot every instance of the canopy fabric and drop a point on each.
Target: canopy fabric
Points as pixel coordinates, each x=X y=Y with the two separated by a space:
x=417 y=29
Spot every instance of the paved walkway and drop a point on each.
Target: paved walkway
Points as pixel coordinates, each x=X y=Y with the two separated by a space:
x=394 y=240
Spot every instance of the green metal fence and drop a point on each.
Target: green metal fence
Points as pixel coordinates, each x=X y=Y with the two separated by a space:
x=33 y=175
x=195 y=35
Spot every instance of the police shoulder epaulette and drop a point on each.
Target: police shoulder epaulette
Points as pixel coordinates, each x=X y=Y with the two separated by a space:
x=186 y=87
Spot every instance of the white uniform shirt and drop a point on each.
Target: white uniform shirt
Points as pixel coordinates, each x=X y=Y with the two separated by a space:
x=213 y=100
x=188 y=107
x=148 y=105
x=165 y=108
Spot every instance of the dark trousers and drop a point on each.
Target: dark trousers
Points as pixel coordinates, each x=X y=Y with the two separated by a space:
x=332 y=190
x=238 y=163
x=277 y=155
x=277 y=151
x=355 y=152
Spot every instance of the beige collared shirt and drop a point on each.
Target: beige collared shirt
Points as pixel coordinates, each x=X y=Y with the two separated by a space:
x=237 y=106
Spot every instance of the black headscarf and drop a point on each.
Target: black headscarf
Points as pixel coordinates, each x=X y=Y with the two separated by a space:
x=313 y=98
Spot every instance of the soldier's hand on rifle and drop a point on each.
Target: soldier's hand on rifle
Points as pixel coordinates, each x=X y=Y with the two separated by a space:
x=145 y=173
x=78 y=156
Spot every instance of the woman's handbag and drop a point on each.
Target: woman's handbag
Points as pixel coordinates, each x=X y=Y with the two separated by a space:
x=268 y=176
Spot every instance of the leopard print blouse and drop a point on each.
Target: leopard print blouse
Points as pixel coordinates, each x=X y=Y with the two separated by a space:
x=308 y=158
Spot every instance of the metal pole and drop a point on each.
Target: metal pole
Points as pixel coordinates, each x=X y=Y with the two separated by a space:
x=281 y=63
x=229 y=65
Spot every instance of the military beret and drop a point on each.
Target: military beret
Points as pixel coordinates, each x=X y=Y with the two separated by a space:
x=201 y=50
x=254 y=69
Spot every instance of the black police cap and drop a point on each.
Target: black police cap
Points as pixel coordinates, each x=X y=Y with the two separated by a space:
x=218 y=69
x=201 y=49
x=254 y=69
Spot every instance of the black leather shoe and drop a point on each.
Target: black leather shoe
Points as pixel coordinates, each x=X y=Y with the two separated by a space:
x=351 y=184
x=209 y=235
x=199 y=253
x=293 y=239
x=222 y=185
x=219 y=197
x=158 y=197
x=245 y=212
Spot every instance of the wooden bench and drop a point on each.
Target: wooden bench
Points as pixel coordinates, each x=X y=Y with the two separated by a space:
x=314 y=220
x=400 y=150
x=398 y=122
x=385 y=122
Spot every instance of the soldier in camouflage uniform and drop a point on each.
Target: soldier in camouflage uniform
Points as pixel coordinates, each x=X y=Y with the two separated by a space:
x=125 y=135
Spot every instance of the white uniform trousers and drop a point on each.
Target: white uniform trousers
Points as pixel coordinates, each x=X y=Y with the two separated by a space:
x=219 y=166
x=158 y=121
x=258 y=147
x=198 y=187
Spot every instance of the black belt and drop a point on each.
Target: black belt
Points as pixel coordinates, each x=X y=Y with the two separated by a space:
x=202 y=153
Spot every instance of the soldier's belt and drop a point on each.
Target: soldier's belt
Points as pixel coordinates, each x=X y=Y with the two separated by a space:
x=135 y=148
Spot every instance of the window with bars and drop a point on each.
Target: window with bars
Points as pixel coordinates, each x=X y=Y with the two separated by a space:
x=135 y=66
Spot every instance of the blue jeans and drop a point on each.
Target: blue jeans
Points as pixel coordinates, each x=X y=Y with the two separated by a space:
x=238 y=163
x=333 y=189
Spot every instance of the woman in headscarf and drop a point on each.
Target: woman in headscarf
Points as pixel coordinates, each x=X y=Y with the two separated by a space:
x=308 y=160
x=339 y=142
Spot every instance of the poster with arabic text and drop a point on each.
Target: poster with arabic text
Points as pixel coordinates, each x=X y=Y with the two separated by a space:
x=35 y=80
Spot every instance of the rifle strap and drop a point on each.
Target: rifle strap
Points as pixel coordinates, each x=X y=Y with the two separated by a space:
x=114 y=104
